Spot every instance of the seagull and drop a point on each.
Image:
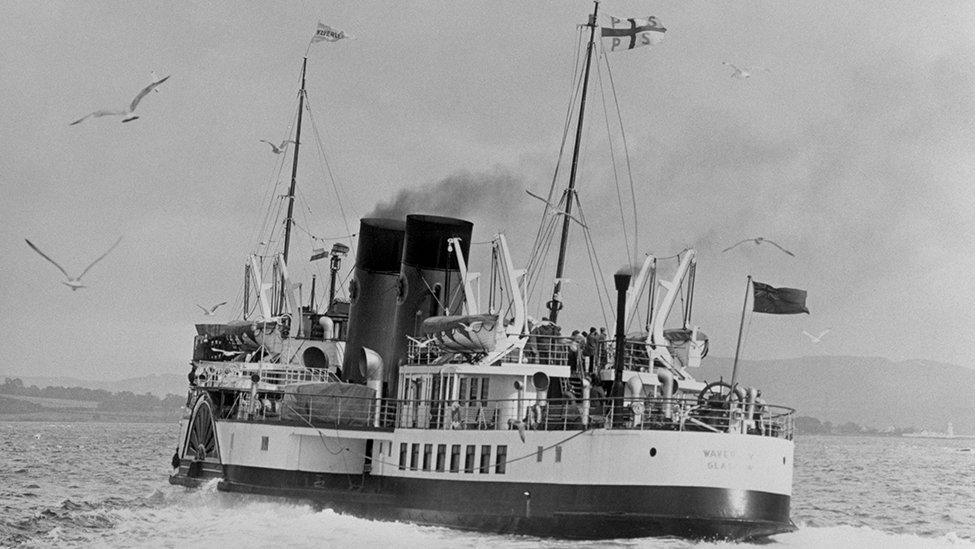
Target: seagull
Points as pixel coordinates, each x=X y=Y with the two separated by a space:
x=759 y=240
x=73 y=282
x=816 y=339
x=126 y=112
x=743 y=72
x=280 y=148
x=557 y=210
x=212 y=310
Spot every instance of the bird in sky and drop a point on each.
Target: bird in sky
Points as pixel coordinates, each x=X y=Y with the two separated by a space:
x=759 y=240
x=126 y=112
x=212 y=310
x=279 y=148
x=73 y=282
x=557 y=211
x=743 y=72
x=817 y=338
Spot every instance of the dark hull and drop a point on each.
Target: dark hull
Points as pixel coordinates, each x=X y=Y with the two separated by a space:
x=549 y=510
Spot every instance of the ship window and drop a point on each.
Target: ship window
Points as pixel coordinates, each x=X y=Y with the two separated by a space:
x=484 y=391
x=441 y=450
x=485 y=458
x=500 y=455
x=414 y=454
x=403 y=455
x=264 y=444
x=473 y=393
x=427 y=450
x=469 y=459
x=463 y=389
x=559 y=454
x=538 y=454
x=455 y=458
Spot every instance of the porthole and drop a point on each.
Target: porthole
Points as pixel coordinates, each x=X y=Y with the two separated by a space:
x=653 y=452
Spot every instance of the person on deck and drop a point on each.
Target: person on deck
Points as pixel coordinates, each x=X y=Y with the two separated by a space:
x=590 y=351
x=602 y=348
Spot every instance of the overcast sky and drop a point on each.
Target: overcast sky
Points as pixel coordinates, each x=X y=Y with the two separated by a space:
x=854 y=151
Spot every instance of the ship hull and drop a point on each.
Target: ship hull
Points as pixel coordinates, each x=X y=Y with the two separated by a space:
x=566 y=511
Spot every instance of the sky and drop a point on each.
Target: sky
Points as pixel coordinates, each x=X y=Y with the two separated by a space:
x=854 y=150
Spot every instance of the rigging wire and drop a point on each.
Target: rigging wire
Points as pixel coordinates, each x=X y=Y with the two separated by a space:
x=623 y=136
x=595 y=267
x=536 y=259
x=613 y=165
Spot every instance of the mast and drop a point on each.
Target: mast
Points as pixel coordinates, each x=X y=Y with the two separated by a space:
x=294 y=174
x=555 y=304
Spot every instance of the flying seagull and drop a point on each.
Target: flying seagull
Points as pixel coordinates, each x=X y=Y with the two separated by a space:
x=555 y=209
x=277 y=149
x=816 y=339
x=212 y=310
x=126 y=112
x=73 y=282
x=759 y=240
x=743 y=72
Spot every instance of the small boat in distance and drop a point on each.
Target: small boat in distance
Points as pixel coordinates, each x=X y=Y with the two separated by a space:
x=949 y=433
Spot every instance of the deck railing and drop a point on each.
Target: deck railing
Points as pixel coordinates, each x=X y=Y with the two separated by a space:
x=675 y=414
x=539 y=349
x=218 y=374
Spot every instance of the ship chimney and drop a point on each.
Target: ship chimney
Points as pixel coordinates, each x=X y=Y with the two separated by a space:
x=372 y=293
x=621 y=279
x=428 y=283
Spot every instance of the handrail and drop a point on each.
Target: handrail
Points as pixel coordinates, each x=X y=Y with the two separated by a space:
x=565 y=414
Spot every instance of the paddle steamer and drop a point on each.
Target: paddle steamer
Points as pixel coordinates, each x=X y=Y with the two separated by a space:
x=418 y=400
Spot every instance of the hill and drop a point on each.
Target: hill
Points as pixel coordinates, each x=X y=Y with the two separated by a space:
x=870 y=391
x=156 y=384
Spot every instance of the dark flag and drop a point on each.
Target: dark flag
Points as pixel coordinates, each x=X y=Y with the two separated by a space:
x=778 y=301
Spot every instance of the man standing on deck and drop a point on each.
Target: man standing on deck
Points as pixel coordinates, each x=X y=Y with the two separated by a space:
x=590 y=351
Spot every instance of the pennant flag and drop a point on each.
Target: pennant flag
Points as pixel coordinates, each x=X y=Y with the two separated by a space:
x=318 y=253
x=627 y=34
x=326 y=33
x=778 y=301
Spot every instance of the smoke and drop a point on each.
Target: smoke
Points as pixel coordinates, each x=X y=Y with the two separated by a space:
x=488 y=197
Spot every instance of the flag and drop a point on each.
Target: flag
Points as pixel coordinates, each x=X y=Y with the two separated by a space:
x=627 y=34
x=326 y=33
x=318 y=253
x=778 y=301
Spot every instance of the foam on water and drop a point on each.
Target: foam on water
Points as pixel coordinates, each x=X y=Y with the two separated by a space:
x=106 y=486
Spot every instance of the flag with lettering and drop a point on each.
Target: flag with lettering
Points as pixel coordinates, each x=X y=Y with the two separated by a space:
x=778 y=301
x=325 y=33
x=627 y=34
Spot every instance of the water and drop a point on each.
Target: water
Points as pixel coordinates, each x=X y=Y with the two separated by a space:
x=97 y=484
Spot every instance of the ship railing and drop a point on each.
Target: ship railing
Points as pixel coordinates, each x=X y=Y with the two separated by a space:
x=540 y=349
x=222 y=374
x=625 y=413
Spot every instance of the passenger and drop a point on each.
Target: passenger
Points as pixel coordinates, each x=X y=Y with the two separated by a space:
x=192 y=376
x=573 y=352
x=602 y=348
x=590 y=351
x=598 y=397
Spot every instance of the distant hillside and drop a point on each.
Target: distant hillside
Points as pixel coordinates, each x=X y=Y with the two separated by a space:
x=870 y=391
x=156 y=384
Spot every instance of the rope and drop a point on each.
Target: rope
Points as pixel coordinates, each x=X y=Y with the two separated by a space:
x=613 y=165
x=623 y=136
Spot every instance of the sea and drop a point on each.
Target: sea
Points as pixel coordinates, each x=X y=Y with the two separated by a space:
x=105 y=485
